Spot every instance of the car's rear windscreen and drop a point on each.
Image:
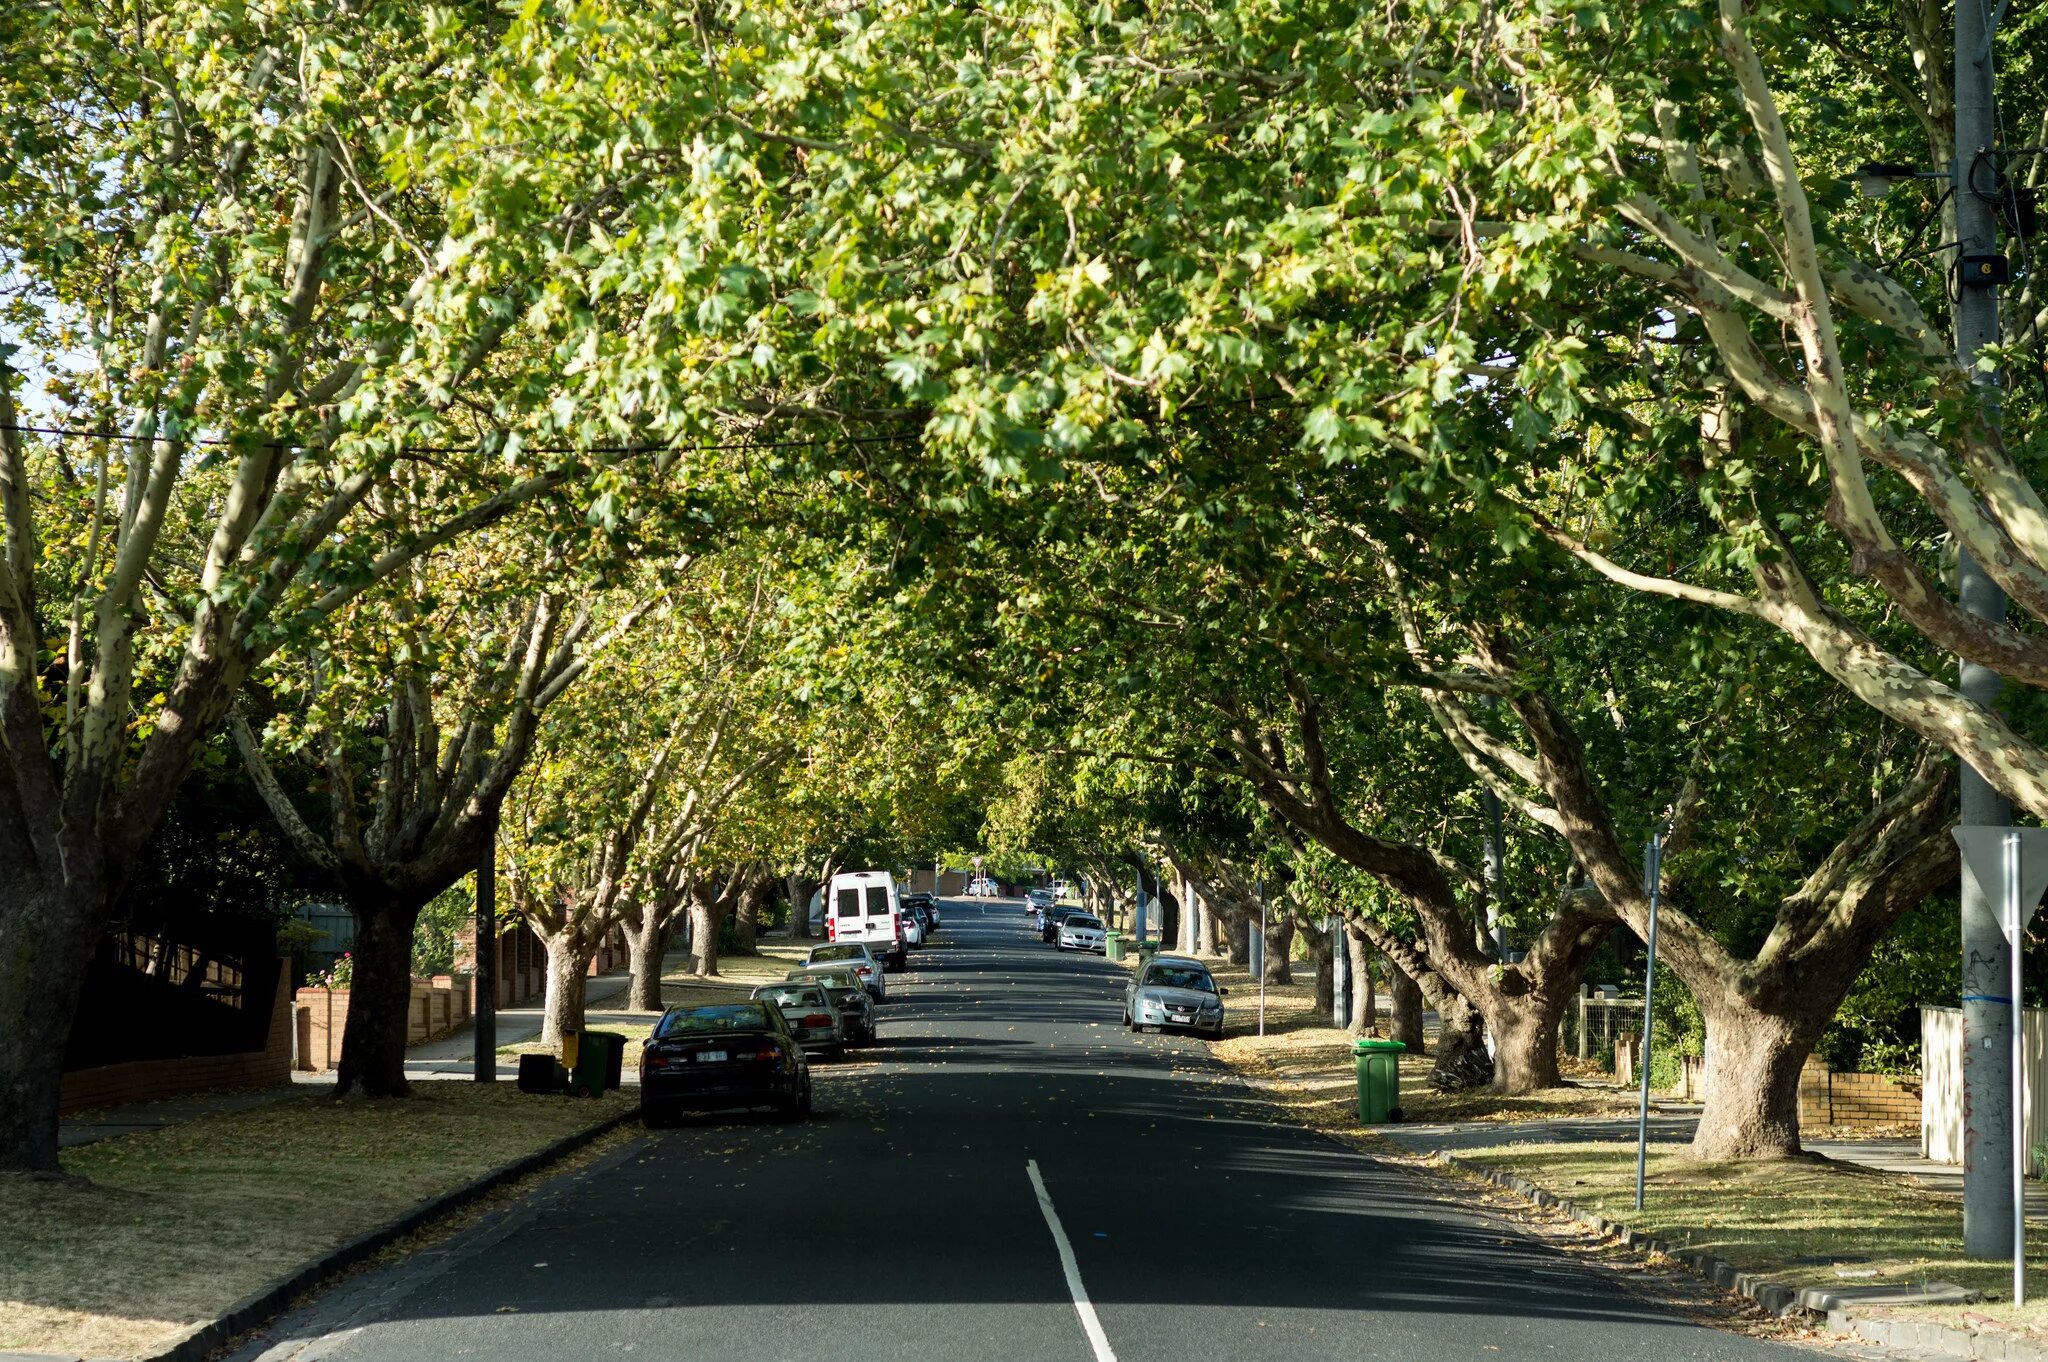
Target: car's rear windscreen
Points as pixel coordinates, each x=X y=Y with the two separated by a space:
x=726 y=1017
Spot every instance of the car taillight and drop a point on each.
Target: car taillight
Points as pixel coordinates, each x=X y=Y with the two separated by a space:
x=865 y=971
x=654 y=1060
x=768 y=1054
x=815 y=1020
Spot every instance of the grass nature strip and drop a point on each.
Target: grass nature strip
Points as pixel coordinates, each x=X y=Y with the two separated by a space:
x=153 y=1232
x=1803 y=1221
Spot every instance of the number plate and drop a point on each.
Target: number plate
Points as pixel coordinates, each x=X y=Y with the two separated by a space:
x=711 y=1056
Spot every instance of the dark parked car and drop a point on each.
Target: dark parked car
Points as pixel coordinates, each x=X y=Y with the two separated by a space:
x=1054 y=916
x=927 y=910
x=722 y=1055
x=848 y=994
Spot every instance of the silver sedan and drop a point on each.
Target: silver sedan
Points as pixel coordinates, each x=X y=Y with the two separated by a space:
x=1175 y=991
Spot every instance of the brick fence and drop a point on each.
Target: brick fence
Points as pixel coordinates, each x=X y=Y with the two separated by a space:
x=438 y=1006
x=149 y=1080
x=1829 y=1098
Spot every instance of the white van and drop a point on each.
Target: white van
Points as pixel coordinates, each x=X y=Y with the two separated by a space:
x=864 y=904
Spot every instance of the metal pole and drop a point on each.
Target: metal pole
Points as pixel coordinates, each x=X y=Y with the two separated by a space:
x=1652 y=855
x=1261 y=891
x=1987 y=1051
x=486 y=1021
x=1340 y=973
x=2019 y=1075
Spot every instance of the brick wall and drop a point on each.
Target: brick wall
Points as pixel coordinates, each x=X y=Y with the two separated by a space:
x=149 y=1080
x=1870 y=1100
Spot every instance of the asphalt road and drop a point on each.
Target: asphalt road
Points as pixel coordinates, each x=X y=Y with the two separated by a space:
x=905 y=1221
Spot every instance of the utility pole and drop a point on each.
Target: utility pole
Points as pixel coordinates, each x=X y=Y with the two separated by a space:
x=486 y=1020
x=1987 y=1012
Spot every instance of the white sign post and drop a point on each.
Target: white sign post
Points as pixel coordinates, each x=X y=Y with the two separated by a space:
x=2010 y=868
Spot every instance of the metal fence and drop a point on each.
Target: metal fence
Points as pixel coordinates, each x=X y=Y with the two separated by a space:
x=1591 y=1024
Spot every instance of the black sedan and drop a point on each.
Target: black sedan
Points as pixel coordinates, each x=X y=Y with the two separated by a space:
x=722 y=1056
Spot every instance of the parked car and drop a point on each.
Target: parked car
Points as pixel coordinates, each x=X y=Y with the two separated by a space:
x=865 y=907
x=809 y=1010
x=1051 y=919
x=723 y=1055
x=927 y=909
x=859 y=958
x=1175 y=991
x=1039 y=900
x=913 y=931
x=849 y=995
x=1080 y=932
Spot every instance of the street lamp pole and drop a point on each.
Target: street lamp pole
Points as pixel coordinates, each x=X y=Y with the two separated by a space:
x=1986 y=962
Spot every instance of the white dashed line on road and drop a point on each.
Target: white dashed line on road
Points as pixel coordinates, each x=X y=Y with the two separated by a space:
x=1083 y=1307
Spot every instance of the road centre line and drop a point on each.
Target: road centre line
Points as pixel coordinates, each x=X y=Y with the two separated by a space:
x=1083 y=1307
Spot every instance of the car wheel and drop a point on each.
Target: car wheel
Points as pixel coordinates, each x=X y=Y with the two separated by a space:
x=803 y=1102
x=654 y=1118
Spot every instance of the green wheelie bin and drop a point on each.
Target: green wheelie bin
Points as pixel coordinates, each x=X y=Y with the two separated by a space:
x=1379 y=1079
x=599 y=1059
x=1112 y=945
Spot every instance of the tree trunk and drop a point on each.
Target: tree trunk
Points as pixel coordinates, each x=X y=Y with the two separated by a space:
x=746 y=917
x=568 y=967
x=1525 y=1043
x=1752 y=1080
x=800 y=888
x=704 y=925
x=1169 y=918
x=646 y=949
x=1406 y=1022
x=47 y=935
x=1364 y=994
x=1460 y=1041
x=379 y=1000
x=1208 y=926
x=1237 y=932
x=1326 y=972
x=1279 y=946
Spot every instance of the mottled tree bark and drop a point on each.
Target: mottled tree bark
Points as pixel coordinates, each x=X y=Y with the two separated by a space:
x=1279 y=947
x=1406 y=1021
x=1364 y=992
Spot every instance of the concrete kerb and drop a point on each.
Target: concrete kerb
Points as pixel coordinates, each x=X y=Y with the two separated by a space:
x=1834 y=1304
x=201 y=1340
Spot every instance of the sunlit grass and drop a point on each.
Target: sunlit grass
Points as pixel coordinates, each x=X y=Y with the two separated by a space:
x=159 y=1230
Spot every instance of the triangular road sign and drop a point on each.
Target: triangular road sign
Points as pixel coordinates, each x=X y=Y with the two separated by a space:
x=1984 y=862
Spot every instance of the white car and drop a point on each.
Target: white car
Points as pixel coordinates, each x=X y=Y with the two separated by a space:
x=864 y=906
x=1081 y=932
x=913 y=933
